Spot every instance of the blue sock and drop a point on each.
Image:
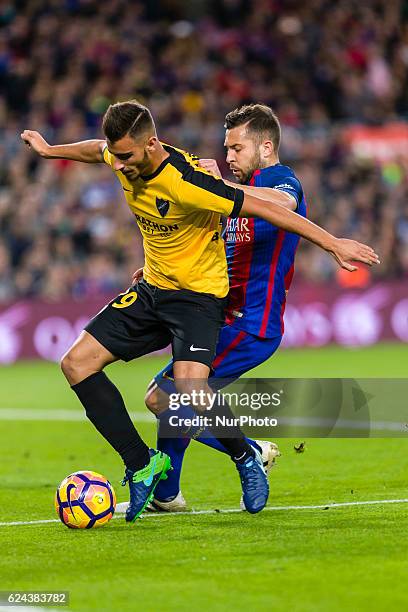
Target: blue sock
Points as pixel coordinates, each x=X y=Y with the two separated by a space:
x=175 y=448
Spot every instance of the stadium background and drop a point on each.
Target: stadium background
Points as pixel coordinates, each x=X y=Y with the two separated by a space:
x=337 y=77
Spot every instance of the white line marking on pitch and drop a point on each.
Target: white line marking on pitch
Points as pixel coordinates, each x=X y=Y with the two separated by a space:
x=48 y=414
x=122 y=508
x=33 y=414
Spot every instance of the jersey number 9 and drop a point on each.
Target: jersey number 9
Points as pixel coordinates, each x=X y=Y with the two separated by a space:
x=126 y=300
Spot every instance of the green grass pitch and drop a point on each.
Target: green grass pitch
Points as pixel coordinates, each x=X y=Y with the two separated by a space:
x=345 y=558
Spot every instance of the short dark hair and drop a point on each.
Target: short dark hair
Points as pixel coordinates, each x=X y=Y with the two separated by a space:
x=129 y=117
x=261 y=120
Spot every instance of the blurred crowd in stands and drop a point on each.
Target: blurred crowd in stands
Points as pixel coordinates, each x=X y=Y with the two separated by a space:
x=65 y=227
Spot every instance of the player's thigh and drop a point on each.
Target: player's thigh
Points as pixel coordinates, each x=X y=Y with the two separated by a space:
x=239 y=352
x=194 y=320
x=87 y=348
x=128 y=326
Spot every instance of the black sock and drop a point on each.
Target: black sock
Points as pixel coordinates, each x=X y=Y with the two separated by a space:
x=238 y=448
x=105 y=408
x=249 y=452
x=235 y=443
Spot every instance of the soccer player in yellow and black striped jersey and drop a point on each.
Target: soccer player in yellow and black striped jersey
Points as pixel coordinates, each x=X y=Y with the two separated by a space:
x=178 y=207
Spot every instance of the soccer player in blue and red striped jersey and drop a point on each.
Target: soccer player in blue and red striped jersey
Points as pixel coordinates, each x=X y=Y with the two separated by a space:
x=260 y=261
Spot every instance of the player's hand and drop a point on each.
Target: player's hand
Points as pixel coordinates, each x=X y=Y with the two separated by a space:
x=210 y=165
x=36 y=141
x=137 y=276
x=345 y=251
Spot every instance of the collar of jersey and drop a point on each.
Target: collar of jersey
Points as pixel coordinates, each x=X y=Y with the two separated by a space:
x=148 y=177
x=258 y=171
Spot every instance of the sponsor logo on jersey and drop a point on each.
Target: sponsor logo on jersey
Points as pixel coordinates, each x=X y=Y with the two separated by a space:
x=238 y=230
x=284 y=186
x=160 y=227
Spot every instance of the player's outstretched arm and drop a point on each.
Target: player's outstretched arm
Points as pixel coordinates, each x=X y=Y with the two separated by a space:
x=265 y=193
x=88 y=151
x=281 y=198
x=342 y=249
x=197 y=189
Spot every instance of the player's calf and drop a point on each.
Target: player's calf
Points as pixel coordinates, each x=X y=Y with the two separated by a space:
x=156 y=400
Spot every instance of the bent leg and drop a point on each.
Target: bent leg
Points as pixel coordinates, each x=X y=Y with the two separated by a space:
x=85 y=357
x=192 y=376
x=236 y=354
x=104 y=406
x=157 y=401
x=170 y=440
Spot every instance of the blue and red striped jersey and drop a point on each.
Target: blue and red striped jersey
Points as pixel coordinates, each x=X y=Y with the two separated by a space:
x=261 y=259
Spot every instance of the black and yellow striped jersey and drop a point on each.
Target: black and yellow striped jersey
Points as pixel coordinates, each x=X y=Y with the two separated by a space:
x=178 y=209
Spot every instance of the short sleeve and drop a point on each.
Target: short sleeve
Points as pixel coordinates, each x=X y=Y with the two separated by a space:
x=198 y=189
x=292 y=186
x=107 y=156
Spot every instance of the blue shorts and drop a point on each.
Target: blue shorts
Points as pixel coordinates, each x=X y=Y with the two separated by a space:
x=237 y=352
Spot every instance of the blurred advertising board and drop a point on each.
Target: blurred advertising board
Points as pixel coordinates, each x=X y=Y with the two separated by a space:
x=381 y=143
x=315 y=315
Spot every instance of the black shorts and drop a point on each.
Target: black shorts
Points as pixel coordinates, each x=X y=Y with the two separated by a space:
x=146 y=319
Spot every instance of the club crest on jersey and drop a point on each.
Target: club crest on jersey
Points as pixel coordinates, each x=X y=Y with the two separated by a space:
x=162 y=206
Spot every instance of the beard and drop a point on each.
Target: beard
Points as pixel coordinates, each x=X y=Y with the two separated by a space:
x=254 y=163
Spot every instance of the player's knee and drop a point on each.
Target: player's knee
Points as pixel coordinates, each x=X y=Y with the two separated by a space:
x=74 y=366
x=152 y=402
x=156 y=400
x=195 y=391
x=70 y=365
x=85 y=357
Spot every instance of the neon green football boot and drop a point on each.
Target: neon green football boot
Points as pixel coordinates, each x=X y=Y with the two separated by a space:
x=143 y=483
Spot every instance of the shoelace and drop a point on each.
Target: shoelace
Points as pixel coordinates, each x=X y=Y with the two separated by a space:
x=126 y=479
